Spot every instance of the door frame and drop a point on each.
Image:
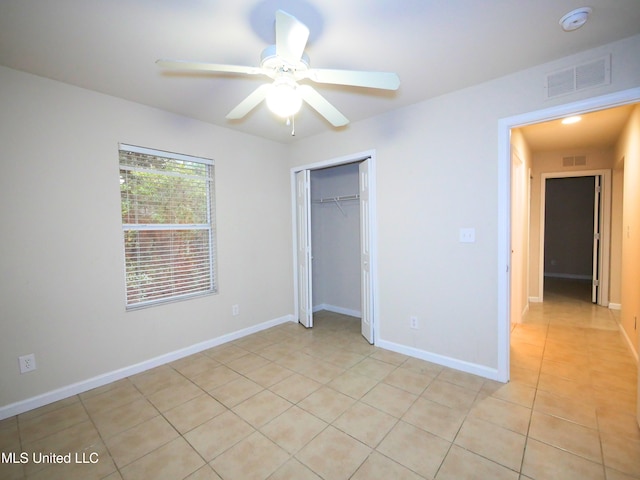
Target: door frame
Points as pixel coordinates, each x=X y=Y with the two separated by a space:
x=505 y=125
x=605 y=224
x=373 y=235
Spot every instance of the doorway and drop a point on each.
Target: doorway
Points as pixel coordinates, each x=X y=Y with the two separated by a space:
x=354 y=199
x=575 y=211
x=335 y=239
x=505 y=127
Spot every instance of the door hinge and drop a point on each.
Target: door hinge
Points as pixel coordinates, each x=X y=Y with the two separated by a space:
x=596 y=283
x=596 y=236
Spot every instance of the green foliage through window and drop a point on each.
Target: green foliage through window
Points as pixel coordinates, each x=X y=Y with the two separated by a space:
x=167 y=217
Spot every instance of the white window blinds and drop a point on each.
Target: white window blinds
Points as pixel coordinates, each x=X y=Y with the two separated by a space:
x=167 y=204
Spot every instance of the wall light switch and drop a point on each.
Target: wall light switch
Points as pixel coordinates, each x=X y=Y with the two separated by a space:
x=467 y=235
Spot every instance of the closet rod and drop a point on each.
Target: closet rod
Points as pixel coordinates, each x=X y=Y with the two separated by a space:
x=338 y=199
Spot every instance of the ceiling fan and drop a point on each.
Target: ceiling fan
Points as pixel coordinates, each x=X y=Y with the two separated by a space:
x=287 y=64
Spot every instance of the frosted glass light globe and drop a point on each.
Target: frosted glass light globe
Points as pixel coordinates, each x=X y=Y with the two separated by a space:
x=284 y=100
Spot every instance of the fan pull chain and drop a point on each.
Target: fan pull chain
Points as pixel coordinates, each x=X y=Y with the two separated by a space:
x=291 y=121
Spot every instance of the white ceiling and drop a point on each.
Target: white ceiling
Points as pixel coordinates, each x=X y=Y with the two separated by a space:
x=599 y=129
x=435 y=46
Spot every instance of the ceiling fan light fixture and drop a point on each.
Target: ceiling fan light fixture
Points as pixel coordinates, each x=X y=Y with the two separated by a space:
x=284 y=99
x=575 y=19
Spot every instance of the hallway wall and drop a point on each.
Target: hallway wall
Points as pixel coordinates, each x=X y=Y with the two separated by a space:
x=520 y=205
x=627 y=154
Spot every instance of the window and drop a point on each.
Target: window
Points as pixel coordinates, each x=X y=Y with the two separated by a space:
x=168 y=225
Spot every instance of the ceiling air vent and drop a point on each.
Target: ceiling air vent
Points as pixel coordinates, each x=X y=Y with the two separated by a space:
x=579 y=77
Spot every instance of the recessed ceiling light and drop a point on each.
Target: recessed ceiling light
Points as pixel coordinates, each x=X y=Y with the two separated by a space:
x=570 y=120
x=575 y=19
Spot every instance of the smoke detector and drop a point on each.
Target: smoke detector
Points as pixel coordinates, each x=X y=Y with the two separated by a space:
x=575 y=19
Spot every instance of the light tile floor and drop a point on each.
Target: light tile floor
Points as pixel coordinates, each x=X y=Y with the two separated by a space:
x=291 y=403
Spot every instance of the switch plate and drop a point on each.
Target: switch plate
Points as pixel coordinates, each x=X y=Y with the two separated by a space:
x=467 y=235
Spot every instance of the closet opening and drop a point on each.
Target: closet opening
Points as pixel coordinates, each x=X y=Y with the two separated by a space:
x=334 y=241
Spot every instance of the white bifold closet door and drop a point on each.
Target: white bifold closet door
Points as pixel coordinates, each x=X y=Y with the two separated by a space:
x=303 y=226
x=366 y=287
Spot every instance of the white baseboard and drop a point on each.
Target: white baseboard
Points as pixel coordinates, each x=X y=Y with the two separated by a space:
x=468 y=367
x=629 y=343
x=333 y=308
x=535 y=300
x=615 y=306
x=100 y=380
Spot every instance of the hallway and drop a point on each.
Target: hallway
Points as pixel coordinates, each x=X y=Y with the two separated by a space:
x=583 y=377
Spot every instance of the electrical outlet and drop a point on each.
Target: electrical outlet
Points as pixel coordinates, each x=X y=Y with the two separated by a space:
x=27 y=363
x=467 y=235
x=413 y=322
x=235 y=310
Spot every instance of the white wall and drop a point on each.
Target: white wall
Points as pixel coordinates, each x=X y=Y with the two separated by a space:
x=437 y=171
x=62 y=295
x=336 y=240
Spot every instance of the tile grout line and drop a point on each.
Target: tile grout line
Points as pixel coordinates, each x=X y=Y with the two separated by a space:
x=535 y=396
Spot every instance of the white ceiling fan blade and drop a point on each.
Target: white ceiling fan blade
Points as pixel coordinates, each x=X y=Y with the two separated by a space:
x=322 y=106
x=249 y=103
x=208 y=67
x=291 y=37
x=382 y=80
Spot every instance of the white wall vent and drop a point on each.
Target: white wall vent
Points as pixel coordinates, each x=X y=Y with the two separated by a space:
x=579 y=77
x=577 y=161
x=580 y=160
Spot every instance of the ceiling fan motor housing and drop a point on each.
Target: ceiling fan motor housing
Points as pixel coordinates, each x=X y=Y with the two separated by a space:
x=270 y=60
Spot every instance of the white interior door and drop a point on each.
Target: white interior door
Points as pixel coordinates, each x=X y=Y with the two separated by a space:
x=595 y=284
x=366 y=279
x=303 y=225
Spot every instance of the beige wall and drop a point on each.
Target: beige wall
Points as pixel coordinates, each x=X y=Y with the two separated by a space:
x=62 y=293
x=520 y=211
x=617 y=187
x=627 y=154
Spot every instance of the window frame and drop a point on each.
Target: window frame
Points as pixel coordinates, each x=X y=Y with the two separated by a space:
x=209 y=225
